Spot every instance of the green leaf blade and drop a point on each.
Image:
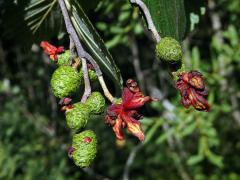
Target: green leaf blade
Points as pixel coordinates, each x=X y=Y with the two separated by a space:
x=93 y=42
x=168 y=17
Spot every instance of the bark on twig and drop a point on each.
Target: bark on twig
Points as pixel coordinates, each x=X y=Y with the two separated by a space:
x=130 y=160
x=148 y=17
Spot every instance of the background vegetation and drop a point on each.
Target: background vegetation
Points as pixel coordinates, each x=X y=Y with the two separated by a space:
x=180 y=144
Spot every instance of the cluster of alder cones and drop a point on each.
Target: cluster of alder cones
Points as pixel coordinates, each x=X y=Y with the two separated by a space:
x=68 y=78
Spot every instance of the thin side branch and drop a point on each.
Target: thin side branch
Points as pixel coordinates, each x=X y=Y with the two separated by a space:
x=100 y=78
x=87 y=90
x=105 y=89
x=130 y=161
x=148 y=17
x=72 y=49
x=94 y=63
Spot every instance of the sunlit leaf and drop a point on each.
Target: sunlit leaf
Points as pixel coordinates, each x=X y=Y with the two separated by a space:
x=195 y=160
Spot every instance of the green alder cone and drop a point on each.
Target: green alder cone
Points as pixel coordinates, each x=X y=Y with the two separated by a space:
x=65 y=81
x=64 y=59
x=85 y=148
x=96 y=103
x=92 y=75
x=169 y=50
x=77 y=117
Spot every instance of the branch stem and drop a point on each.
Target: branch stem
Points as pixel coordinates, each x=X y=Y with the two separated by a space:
x=105 y=89
x=84 y=57
x=100 y=78
x=87 y=90
x=72 y=49
x=148 y=17
x=81 y=53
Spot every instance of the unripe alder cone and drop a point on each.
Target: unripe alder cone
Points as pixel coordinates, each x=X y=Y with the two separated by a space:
x=92 y=75
x=96 y=103
x=85 y=148
x=77 y=117
x=65 y=81
x=169 y=50
x=64 y=59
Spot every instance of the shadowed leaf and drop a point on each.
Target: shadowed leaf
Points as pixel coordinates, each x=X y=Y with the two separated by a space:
x=93 y=41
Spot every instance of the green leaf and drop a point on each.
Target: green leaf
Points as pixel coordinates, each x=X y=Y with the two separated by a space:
x=37 y=12
x=168 y=17
x=93 y=41
x=89 y=5
x=164 y=136
x=215 y=159
x=30 y=20
x=189 y=129
x=195 y=159
x=153 y=130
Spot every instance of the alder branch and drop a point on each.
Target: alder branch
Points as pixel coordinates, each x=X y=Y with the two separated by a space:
x=72 y=47
x=105 y=89
x=87 y=90
x=74 y=40
x=94 y=63
x=148 y=17
x=130 y=160
x=100 y=78
x=84 y=56
x=81 y=53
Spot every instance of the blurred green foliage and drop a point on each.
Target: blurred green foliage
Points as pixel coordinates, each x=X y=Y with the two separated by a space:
x=180 y=144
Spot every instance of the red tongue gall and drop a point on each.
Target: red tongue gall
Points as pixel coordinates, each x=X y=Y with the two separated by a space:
x=51 y=50
x=192 y=90
x=124 y=114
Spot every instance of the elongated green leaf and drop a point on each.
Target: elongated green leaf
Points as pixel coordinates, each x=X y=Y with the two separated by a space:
x=169 y=17
x=195 y=159
x=30 y=21
x=37 y=12
x=153 y=130
x=92 y=41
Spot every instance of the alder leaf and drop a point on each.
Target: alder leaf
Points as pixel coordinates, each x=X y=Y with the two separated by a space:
x=27 y=21
x=169 y=17
x=93 y=41
x=37 y=12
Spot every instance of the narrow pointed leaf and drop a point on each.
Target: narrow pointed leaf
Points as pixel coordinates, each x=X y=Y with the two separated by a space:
x=93 y=42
